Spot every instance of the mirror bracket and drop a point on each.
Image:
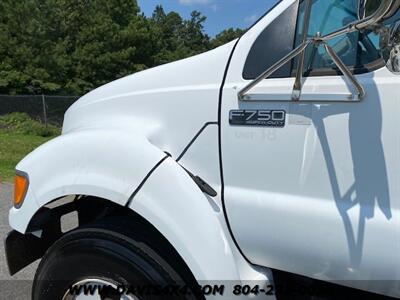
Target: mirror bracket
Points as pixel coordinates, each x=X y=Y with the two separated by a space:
x=298 y=83
x=385 y=8
x=390 y=44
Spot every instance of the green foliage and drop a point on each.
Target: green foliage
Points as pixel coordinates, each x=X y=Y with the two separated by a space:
x=13 y=147
x=21 y=123
x=19 y=135
x=226 y=36
x=71 y=47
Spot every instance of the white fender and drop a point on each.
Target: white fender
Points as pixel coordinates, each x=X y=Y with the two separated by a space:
x=112 y=165
x=194 y=224
x=103 y=163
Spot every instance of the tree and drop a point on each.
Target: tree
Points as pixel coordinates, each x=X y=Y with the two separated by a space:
x=62 y=46
x=178 y=38
x=226 y=36
x=72 y=47
x=193 y=34
x=166 y=30
x=23 y=61
x=105 y=40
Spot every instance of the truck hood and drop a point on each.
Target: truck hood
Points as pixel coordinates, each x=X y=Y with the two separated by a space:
x=167 y=104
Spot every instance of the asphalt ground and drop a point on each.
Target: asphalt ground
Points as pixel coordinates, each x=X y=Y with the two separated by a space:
x=19 y=286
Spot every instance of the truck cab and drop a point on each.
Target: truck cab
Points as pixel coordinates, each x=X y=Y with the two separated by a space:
x=268 y=168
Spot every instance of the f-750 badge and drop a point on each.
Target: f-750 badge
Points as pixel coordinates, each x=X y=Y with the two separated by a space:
x=267 y=118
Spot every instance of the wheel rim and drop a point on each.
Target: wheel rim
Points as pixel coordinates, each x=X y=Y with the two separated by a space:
x=97 y=289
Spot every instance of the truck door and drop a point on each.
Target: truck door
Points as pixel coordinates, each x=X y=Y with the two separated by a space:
x=312 y=186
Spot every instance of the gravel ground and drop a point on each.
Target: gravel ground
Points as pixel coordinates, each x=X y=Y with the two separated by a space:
x=18 y=286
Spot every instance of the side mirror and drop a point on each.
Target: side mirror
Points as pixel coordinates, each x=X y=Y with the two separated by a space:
x=367 y=8
x=390 y=45
x=385 y=9
x=390 y=37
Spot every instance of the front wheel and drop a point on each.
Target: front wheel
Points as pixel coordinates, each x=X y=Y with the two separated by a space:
x=101 y=263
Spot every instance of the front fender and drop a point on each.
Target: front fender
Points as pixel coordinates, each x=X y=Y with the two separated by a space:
x=194 y=224
x=102 y=163
x=113 y=165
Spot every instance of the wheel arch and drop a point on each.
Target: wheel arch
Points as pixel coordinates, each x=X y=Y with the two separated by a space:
x=107 y=164
x=47 y=221
x=188 y=219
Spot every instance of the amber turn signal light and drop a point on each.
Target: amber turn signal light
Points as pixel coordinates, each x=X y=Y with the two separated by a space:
x=20 y=187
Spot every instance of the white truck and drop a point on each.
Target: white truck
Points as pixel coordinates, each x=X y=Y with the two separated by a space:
x=268 y=167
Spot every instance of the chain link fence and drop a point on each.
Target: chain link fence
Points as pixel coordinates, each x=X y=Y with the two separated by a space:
x=44 y=108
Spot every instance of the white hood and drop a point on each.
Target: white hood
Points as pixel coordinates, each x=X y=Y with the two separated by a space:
x=167 y=104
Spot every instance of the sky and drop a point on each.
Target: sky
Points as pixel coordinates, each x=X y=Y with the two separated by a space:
x=221 y=14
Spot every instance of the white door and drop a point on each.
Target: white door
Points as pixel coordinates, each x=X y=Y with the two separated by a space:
x=320 y=195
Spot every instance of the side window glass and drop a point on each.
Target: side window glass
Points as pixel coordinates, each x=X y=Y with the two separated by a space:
x=273 y=43
x=357 y=50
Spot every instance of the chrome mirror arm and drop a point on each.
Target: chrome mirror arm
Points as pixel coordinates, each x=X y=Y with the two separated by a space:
x=300 y=50
x=384 y=9
x=298 y=84
x=346 y=72
x=242 y=93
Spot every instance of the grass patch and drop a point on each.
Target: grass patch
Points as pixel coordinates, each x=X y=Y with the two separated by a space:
x=21 y=123
x=19 y=135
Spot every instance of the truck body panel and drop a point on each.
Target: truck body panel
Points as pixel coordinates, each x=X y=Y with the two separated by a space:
x=319 y=195
x=305 y=185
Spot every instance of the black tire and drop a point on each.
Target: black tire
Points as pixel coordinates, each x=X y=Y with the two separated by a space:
x=105 y=251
